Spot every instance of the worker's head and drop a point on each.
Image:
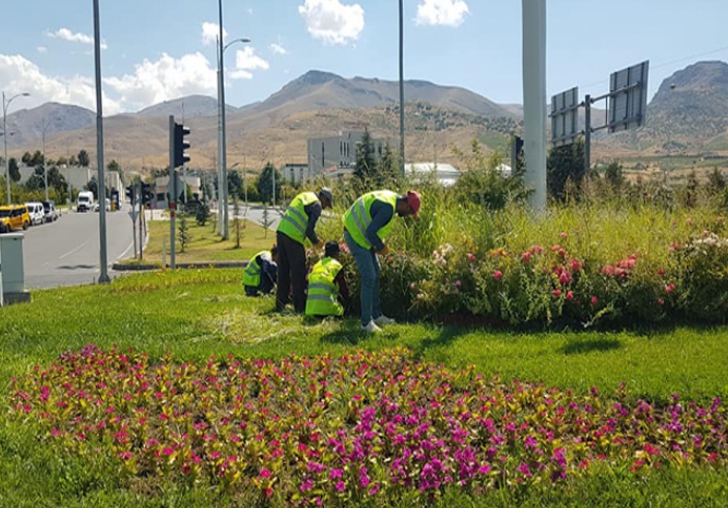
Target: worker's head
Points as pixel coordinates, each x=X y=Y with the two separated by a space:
x=332 y=249
x=409 y=204
x=326 y=197
x=274 y=253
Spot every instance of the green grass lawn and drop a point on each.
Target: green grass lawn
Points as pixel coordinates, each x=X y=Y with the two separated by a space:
x=205 y=245
x=196 y=314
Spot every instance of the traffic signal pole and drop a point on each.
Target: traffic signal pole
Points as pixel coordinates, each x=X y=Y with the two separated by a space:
x=172 y=194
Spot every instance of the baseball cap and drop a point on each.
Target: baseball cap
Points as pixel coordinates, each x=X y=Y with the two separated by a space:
x=414 y=200
x=326 y=193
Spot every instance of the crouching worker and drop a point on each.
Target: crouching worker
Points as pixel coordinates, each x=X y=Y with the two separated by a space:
x=261 y=274
x=327 y=290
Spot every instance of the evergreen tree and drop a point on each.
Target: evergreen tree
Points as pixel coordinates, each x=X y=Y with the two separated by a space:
x=366 y=163
x=565 y=164
x=14 y=170
x=265 y=183
x=184 y=232
x=83 y=159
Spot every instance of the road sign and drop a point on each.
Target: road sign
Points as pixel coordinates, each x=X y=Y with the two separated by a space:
x=134 y=214
x=565 y=117
x=627 y=106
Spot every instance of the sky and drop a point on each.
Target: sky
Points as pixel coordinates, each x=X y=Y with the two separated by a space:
x=157 y=50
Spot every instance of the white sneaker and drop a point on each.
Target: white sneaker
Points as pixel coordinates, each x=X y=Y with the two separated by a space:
x=384 y=320
x=371 y=328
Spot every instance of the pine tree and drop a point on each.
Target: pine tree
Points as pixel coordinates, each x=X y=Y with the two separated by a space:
x=184 y=232
x=366 y=163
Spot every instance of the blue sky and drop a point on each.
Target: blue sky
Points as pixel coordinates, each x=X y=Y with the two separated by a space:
x=162 y=49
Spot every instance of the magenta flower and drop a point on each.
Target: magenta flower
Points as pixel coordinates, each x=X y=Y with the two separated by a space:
x=497 y=275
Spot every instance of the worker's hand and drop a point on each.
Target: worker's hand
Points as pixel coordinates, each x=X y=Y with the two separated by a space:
x=384 y=251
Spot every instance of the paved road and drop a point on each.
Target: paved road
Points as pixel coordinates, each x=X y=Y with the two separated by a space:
x=66 y=252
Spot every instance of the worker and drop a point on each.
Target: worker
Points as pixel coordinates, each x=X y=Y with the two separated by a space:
x=261 y=274
x=297 y=225
x=366 y=224
x=327 y=290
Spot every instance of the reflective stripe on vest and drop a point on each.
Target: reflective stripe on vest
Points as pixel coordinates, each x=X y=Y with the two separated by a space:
x=323 y=294
x=358 y=218
x=251 y=276
x=294 y=222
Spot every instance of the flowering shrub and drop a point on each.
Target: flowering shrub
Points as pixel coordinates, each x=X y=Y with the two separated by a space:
x=376 y=427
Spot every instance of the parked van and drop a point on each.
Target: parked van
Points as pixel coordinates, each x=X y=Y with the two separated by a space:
x=49 y=208
x=13 y=217
x=85 y=201
x=36 y=212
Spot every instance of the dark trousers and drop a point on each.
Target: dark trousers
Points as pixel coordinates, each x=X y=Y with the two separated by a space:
x=291 y=273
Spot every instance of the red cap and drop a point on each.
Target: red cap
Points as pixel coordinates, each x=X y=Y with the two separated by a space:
x=414 y=200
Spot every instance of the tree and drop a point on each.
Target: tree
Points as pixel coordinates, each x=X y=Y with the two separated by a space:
x=26 y=158
x=366 y=163
x=37 y=159
x=389 y=170
x=93 y=186
x=265 y=183
x=62 y=161
x=184 y=232
x=14 y=169
x=691 y=190
x=113 y=166
x=73 y=161
x=716 y=182
x=614 y=177
x=235 y=184
x=565 y=164
x=83 y=159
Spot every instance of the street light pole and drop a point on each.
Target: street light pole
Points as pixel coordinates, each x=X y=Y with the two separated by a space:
x=103 y=275
x=401 y=87
x=6 y=106
x=45 y=165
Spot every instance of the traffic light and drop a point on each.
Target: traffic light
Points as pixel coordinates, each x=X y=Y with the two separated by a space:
x=516 y=154
x=147 y=194
x=130 y=194
x=180 y=145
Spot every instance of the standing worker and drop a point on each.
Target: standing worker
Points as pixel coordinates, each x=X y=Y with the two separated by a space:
x=327 y=290
x=298 y=224
x=366 y=224
x=261 y=274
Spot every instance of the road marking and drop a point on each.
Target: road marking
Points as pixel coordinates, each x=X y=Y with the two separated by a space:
x=75 y=250
x=126 y=251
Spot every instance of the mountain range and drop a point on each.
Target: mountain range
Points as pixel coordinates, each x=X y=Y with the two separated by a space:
x=689 y=109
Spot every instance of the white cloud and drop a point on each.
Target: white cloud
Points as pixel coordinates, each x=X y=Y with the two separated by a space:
x=42 y=50
x=165 y=79
x=17 y=74
x=278 y=49
x=246 y=61
x=211 y=32
x=331 y=21
x=442 y=12
x=66 y=35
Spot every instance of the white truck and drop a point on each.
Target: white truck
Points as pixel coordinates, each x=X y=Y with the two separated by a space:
x=85 y=201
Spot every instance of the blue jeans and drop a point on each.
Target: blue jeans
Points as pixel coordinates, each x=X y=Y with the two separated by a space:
x=369 y=271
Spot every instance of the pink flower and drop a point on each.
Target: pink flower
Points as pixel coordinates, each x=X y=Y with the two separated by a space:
x=660 y=301
x=265 y=473
x=306 y=485
x=669 y=288
x=498 y=275
x=526 y=256
x=340 y=486
x=594 y=300
x=660 y=272
x=569 y=295
x=471 y=257
x=564 y=235
x=556 y=293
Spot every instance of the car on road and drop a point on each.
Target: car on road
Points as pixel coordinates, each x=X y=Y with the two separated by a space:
x=14 y=217
x=85 y=201
x=36 y=212
x=50 y=212
x=97 y=206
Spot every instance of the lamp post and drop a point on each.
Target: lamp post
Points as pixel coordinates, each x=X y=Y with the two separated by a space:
x=43 y=126
x=223 y=139
x=401 y=87
x=103 y=265
x=6 y=105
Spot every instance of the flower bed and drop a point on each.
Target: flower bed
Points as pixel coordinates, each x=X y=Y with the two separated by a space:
x=374 y=427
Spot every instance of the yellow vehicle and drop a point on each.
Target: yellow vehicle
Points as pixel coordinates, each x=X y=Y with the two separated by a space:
x=14 y=217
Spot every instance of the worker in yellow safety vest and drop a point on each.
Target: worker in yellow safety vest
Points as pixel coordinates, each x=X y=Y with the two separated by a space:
x=366 y=224
x=327 y=290
x=261 y=274
x=297 y=225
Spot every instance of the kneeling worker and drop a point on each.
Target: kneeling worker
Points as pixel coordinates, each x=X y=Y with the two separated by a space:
x=327 y=289
x=261 y=274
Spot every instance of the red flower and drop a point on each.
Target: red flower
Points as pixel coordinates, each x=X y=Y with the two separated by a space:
x=569 y=295
x=594 y=300
x=471 y=257
x=498 y=275
x=556 y=293
x=660 y=272
x=660 y=301
x=669 y=288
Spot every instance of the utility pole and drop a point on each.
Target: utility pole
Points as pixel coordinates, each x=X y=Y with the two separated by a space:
x=45 y=164
x=171 y=188
x=401 y=88
x=103 y=276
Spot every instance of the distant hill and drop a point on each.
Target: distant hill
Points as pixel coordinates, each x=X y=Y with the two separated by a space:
x=192 y=106
x=27 y=125
x=317 y=90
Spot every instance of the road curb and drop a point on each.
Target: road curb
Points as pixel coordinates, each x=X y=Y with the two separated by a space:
x=117 y=267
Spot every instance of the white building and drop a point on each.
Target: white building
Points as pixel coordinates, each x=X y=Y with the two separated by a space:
x=77 y=177
x=295 y=174
x=445 y=174
x=161 y=187
x=338 y=152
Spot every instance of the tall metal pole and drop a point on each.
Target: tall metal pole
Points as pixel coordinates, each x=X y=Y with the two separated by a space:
x=45 y=165
x=5 y=148
x=223 y=144
x=103 y=276
x=219 y=144
x=401 y=87
x=587 y=134
x=172 y=189
x=534 y=100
